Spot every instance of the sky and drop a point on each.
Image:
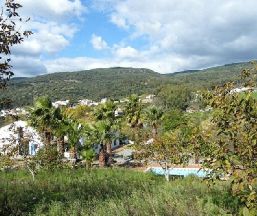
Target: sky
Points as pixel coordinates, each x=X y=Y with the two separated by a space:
x=163 y=35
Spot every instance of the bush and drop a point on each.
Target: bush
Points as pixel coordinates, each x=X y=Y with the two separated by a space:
x=48 y=158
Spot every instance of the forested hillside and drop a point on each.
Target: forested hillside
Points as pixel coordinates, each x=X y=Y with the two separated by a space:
x=114 y=82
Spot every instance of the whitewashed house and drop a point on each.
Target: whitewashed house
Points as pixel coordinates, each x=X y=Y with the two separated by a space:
x=57 y=104
x=10 y=137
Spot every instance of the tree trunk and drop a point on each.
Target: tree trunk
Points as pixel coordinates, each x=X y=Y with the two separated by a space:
x=60 y=145
x=166 y=170
x=109 y=153
x=47 y=138
x=102 y=158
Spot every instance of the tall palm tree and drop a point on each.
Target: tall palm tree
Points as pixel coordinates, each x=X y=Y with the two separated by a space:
x=107 y=126
x=42 y=116
x=133 y=111
x=60 y=130
x=74 y=131
x=153 y=116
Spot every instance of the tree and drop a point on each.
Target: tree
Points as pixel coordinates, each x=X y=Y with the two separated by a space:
x=168 y=149
x=74 y=131
x=229 y=145
x=107 y=125
x=88 y=155
x=173 y=119
x=174 y=97
x=43 y=117
x=153 y=116
x=60 y=129
x=10 y=35
x=133 y=111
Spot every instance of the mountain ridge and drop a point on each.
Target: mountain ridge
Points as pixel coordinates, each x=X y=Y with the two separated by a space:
x=115 y=82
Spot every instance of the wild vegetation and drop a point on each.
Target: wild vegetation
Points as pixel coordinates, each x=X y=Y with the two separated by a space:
x=112 y=191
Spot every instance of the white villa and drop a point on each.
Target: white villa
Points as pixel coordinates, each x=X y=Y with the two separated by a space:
x=9 y=137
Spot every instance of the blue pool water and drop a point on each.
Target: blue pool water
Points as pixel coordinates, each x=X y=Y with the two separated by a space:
x=180 y=171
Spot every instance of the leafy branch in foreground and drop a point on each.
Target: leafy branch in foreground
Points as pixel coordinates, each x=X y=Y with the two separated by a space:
x=10 y=35
x=230 y=142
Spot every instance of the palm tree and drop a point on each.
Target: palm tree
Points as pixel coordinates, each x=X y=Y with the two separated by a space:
x=42 y=116
x=60 y=130
x=74 y=131
x=133 y=111
x=153 y=116
x=107 y=126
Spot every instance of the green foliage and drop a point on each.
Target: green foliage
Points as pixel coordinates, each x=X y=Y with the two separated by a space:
x=48 y=158
x=174 y=96
x=170 y=148
x=41 y=114
x=112 y=191
x=229 y=144
x=6 y=162
x=173 y=119
x=79 y=113
x=88 y=155
x=11 y=35
x=133 y=111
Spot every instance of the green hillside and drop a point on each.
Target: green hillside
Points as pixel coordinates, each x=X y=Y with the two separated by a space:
x=211 y=76
x=113 y=82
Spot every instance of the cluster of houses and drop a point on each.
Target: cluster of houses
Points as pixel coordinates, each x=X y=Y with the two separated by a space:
x=13 y=112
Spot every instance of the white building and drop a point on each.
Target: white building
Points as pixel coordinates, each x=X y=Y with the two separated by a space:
x=148 y=99
x=104 y=100
x=57 y=104
x=9 y=137
x=87 y=102
x=115 y=144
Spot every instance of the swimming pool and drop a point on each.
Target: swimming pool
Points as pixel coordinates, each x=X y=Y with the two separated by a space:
x=180 y=171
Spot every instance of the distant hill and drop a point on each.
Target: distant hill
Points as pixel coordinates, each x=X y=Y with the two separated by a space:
x=92 y=84
x=211 y=76
x=113 y=82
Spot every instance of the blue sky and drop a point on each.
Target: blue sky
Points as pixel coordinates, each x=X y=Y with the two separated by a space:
x=165 y=35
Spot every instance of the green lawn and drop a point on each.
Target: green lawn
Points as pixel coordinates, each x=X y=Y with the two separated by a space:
x=110 y=192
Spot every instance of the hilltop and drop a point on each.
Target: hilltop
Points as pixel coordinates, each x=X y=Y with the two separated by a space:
x=115 y=82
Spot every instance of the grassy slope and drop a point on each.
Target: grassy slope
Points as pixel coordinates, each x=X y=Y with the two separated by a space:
x=110 y=192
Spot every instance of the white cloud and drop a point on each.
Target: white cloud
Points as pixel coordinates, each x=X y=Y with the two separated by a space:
x=119 y=21
x=126 y=52
x=52 y=23
x=98 y=42
x=52 y=9
x=210 y=32
x=28 y=66
x=177 y=34
x=163 y=64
